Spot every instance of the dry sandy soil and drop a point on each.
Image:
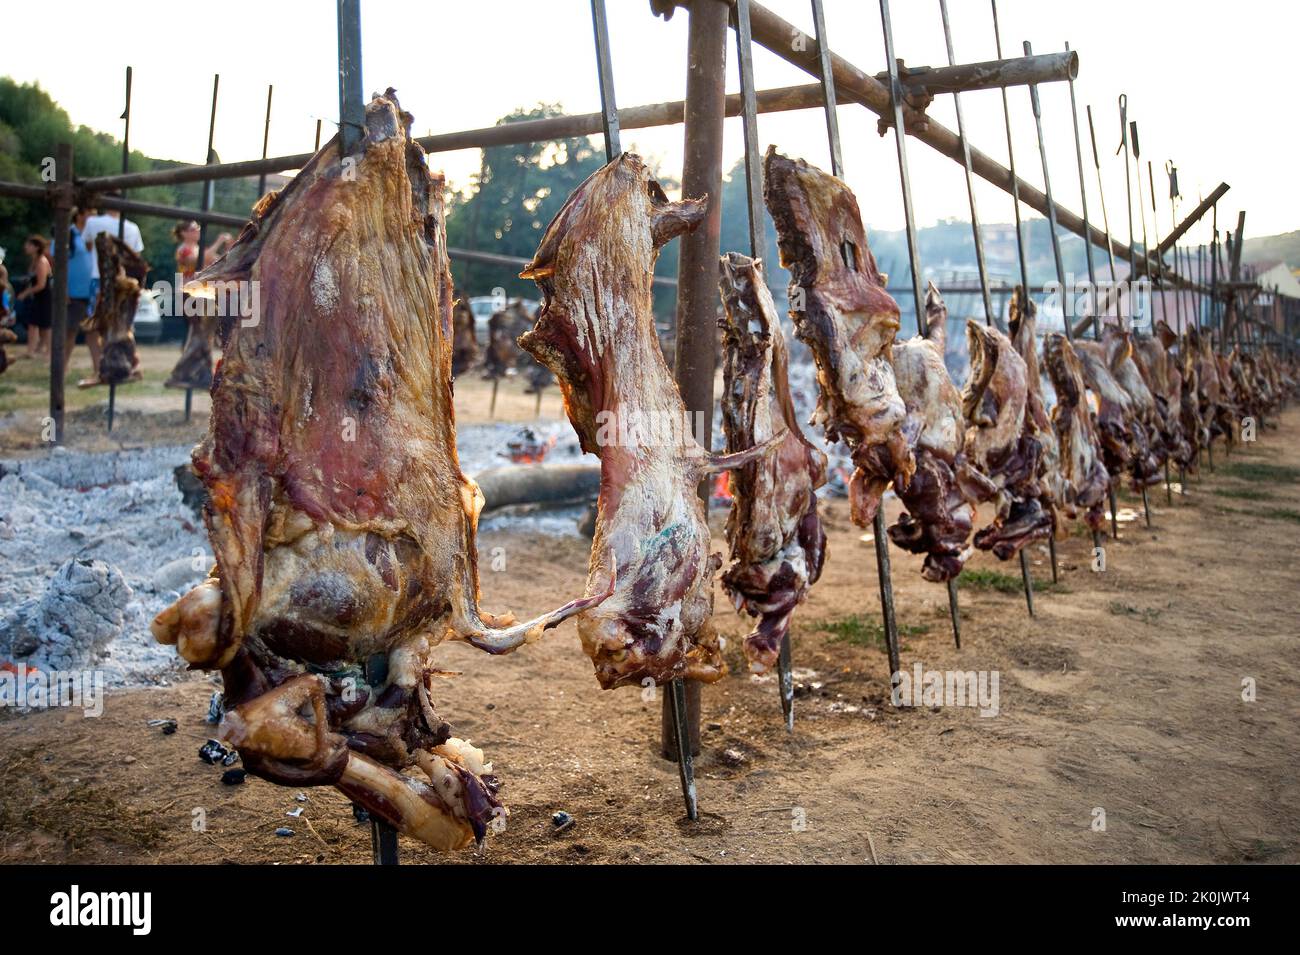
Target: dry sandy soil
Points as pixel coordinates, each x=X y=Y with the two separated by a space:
x=1124 y=694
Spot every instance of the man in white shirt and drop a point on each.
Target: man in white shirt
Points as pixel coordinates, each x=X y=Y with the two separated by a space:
x=110 y=221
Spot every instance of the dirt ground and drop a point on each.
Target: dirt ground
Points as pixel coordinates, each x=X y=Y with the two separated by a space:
x=1124 y=695
x=146 y=413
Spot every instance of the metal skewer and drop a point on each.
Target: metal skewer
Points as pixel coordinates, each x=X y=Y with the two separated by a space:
x=1028 y=581
x=1128 y=190
x=1056 y=256
x=954 y=609
x=900 y=141
x=757 y=251
x=1020 y=238
x=1083 y=201
x=1164 y=308
x=676 y=698
x=1105 y=221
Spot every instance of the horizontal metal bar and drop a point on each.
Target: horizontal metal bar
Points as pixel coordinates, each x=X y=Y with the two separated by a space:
x=777 y=100
x=514 y=262
x=988 y=75
x=207 y=217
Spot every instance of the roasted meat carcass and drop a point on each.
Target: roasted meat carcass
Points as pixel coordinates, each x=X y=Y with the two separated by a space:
x=938 y=518
x=122 y=273
x=596 y=332
x=1084 y=476
x=464 y=338
x=1162 y=376
x=1182 y=367
x=342 y=526
x=777 y=541
x=1003 y=453
x=1022 y=327
x=1215 y=404
x=1149 y=450
x=842 y=312
x=194 y=368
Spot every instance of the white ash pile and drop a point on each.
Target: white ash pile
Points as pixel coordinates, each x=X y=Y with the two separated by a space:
x=71 y=625
x=92 y=546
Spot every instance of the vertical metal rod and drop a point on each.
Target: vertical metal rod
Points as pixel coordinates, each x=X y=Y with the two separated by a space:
x=1011 y=159
x=757 y=250
x=1114 y=515
x=209 y=187
x=900 y=140
x=316 y=148
x=1051 y=205
x=1171 y=171
x=954 y=611
x=1083 y=197
x=1146 y=506
x=879 y=534
x=1105 y=219
x=112 y=405
x=126 y=150
x=352 y=108
x=605 y=74
x=383 y=842
x=1128 y=190
x=1051 y=549
x=749 y=120
x=828 y=88
x=974 y=213
x=697 y=269
x=266 y=139
x=189 y=403
x=1142 y=216
x=63 y=172
x=1028 y=581
x=685 y=762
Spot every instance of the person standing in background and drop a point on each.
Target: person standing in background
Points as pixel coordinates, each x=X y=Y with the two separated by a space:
x=80 y=260
x=110 y=222
x=187 y=251
x=38 y=315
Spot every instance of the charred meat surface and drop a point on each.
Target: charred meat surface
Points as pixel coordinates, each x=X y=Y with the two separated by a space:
x=938 y=518
x=194 y=369
x=596 y=332
x=1004 y=457
x=1148 y=447
x=342 y=526
x=464 y=338
x=777 y=541
x=1085 y=479
x=842 y=312
x=122 y=273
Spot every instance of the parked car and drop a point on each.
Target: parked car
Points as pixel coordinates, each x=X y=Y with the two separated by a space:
x=484 y=306
x=148 y=324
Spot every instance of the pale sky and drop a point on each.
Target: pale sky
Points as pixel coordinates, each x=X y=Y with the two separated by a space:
x=1216 y=98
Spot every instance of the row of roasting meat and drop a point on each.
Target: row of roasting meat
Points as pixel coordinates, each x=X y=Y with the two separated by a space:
x=344 y=530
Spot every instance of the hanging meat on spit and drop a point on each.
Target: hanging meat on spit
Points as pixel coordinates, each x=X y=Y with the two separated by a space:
x=1144 y=422
x=1160 y=372
x=939 y=517
x=1182 y=366
x=194 y=369
x=122 y=274
x=1003 y=453
x=342 y=525
x=1217 y=411
x=596 y=332
x=464 y=338
x=1084 y=476
x=1123 y=444
x=842 y=312
x=1022 y=326
x=777 y=541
